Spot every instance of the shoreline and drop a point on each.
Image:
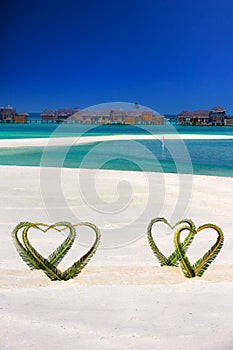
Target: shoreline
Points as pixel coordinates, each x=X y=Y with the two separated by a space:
x=119 y=170
x=72 y=141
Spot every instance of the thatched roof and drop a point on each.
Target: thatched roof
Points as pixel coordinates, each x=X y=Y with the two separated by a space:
x=94 y=113
x=63 y=112
x=22 y=113
x=218 y=109
x=201 y=113
x=7 y=108
x=185 y=114
x=48 y=113
x=111 y=112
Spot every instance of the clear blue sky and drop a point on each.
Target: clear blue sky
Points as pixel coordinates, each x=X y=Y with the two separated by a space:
x=169 y=55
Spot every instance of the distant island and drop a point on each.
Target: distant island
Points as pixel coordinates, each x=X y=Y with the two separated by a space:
x=135 y=116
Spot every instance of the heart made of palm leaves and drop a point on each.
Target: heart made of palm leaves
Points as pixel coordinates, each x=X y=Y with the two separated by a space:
x=174 y=257
x=36 y=261
x=201 y=265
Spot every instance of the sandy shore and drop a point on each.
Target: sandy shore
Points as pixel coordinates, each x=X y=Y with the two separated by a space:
x=64 y=141
x=123 y=299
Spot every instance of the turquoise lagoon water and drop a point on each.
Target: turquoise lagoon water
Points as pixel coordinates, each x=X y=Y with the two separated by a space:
x=39 y=130
x=206 y=157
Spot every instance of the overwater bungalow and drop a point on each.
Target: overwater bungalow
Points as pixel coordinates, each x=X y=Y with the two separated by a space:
x=21 y=117
x=63 y=114
x=59 y=115
x=214 y=116
x=201 y=117
x=228 y=120
x=185 y=118
x=217 y=115
x=118 y=116
x=48 y=115
x=7 y=114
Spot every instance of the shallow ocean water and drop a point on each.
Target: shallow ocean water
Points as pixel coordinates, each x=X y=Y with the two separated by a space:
x=204 y=157
x=39 y=130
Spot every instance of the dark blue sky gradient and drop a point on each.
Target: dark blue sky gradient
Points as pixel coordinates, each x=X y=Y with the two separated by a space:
x=169 y=55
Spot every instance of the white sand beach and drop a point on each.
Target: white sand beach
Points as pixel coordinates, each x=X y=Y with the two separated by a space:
x=64 y=141
x=123 y=299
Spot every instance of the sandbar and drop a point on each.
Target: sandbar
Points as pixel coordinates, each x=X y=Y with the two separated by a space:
x=65 y=141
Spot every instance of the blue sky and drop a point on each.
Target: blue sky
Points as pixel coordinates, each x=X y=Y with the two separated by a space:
x=169 y=55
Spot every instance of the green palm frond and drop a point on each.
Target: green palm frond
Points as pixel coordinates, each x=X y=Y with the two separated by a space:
x=185 y=263
x=174 y=257
x=51 y=271
x=203 y=263
x=49 y=266
x=56 y=257
x=24 y=253
x=77 y=267
x=159 y=255
x=172 y=260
